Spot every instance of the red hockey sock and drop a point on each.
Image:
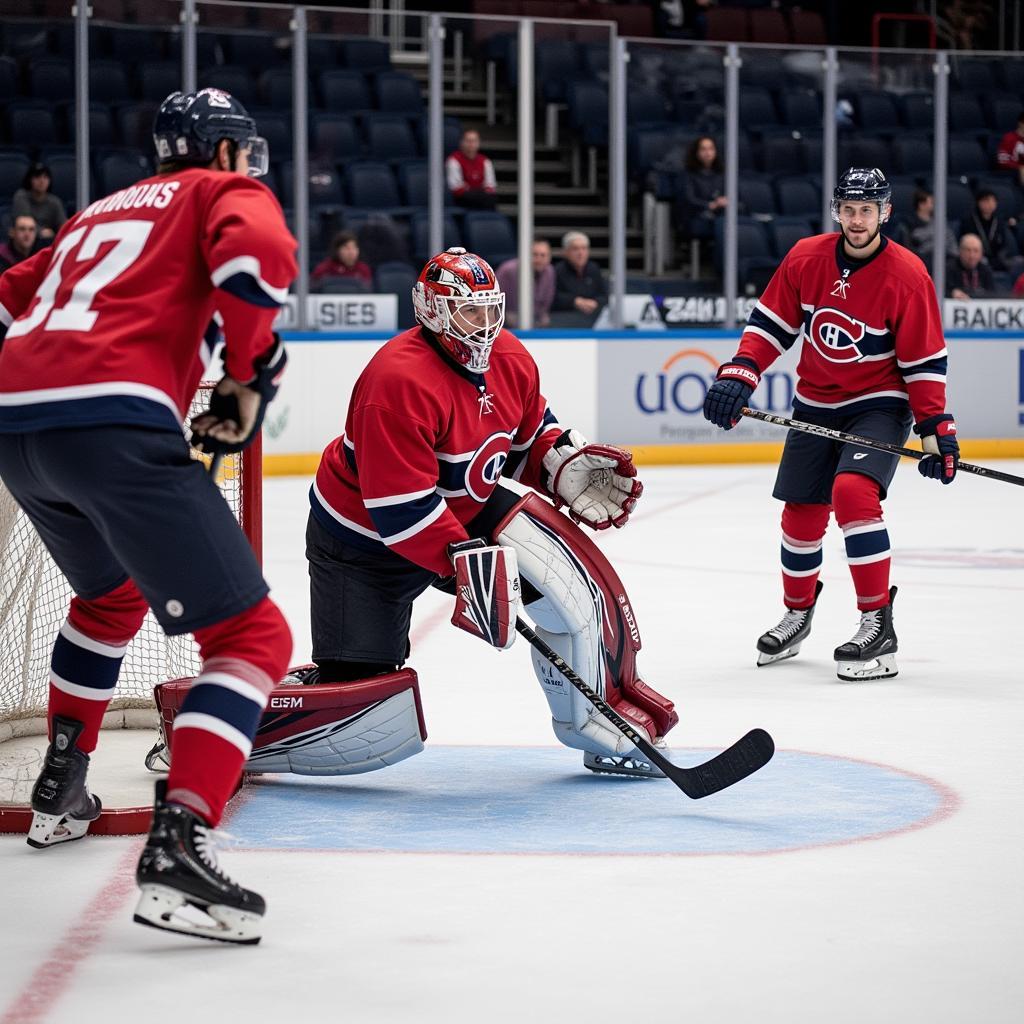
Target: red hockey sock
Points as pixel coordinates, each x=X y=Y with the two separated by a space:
x=859 y=514
x=803 y=527
x=87 y=658
x=244 y=657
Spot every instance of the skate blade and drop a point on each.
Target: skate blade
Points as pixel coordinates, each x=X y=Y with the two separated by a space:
x=764 y=658
x=630 y=767
x=160 y=907
x=52 y=829
x=860 y=671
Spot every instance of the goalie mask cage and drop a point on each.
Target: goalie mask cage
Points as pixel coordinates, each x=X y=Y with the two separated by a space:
x=34 y=599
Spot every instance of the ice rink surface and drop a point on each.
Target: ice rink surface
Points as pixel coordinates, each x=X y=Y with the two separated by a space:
x=873 y=872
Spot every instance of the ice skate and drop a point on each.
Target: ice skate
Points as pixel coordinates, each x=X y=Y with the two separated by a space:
x=870 y=654
x=62 y=806
x=178 y=872
x=784 y=640
x=634 y=765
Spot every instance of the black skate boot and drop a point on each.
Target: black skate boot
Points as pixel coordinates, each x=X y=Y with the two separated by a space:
x=178 y=869
x=62 y=805
x=870 y=654
x=784 y=640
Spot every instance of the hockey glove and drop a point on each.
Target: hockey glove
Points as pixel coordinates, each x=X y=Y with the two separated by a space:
x=237 y=409
x=735 y=383
x=938 y=439
x=487 y=591
x=596 y=481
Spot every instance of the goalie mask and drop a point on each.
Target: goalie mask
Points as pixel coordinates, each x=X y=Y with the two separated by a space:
x=458 y=300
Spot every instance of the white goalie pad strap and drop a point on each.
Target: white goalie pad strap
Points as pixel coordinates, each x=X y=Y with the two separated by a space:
x=568 y=618
x=381 y=735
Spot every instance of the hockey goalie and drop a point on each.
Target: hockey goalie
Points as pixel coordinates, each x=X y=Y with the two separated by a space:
x=411 y=496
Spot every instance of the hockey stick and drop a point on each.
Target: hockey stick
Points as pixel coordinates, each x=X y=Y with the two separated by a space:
x=867 y=442
x=215 y=462
x=743 y=758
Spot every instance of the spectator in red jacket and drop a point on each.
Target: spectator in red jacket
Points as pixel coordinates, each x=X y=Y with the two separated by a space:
x=1011 y=151
x=470 y=174
x=343 y=262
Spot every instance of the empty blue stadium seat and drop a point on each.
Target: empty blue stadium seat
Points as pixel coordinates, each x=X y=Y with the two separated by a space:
x=965 y=113
x=119 y=170
x=135 y=125
x=787 y=231
x=452 y=134
x=757 y=108
x=1002 y=111
x=918 y=110
x=27 y=38
x=12 y=173
x=1011 y=74
x=276 y=88
x=63 y=177
x=159 y=79
x=398 y=93
x=645 y=106
x=752 y=246
x=389 y=137
x=421 y=235
x=394 y=278
x=335 y=135
x=913 y=155
x=797 y=197
x=8 y=77
x=101 y=125
x=782 y=154
x=489 y=234
x=345 y=92
x=756 y=195
x=876 y=111
x=973 y=75
x=371 y=186
x=325 y=183
x=801 y=108
x=959 y=199
x=414 y=180
x=365 y=54
x=51 y=79
x=108 y=82
x=136 y=44
x=257 y=51
x=556 y=63
x=321 y=51
x=32 y=123
x=588 y=111
x=864 y=151
x=966 y=156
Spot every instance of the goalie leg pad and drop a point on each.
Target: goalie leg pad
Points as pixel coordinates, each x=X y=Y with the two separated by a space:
x=328 y=729
x=585 y=615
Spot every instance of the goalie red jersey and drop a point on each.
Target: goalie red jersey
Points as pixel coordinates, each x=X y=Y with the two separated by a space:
x=426 y=442
x=107 y=325
x=871 y=329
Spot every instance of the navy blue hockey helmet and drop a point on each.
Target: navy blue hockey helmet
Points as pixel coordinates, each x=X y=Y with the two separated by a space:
x=188 y=127
x=863 y=185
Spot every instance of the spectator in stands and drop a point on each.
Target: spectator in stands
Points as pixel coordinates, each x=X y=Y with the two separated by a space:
x=918 y=234
x=21 y=242
x=543 y=284
x=966 y=276
x=470 y=174
x=1018 y=287
x=995 y=240
x=35 y=198
x=704 y=199
x=343 y=262
x=1010 y=156
x=580 y=286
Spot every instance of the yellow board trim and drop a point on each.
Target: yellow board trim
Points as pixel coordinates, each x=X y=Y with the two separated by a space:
x=305 y=464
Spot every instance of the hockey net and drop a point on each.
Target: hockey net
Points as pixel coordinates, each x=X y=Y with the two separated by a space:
x=34 y=599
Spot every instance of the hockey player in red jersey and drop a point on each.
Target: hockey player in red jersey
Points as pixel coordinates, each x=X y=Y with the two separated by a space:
x=873 y=363
x=410 y=496
x=108 y=333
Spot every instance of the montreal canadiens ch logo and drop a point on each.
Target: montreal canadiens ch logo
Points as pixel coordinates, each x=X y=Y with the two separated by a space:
x=484 y=469
x=836 y=336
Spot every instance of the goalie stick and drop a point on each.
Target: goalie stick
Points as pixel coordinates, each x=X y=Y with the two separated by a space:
x=743 y=758
x=867 y=442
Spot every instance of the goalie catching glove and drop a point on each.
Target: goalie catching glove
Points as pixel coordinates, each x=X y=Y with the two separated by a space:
x=487 y=591
x=596 y=481
x=237 y=409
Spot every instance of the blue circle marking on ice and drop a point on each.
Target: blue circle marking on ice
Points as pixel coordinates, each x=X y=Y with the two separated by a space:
x=540 y=800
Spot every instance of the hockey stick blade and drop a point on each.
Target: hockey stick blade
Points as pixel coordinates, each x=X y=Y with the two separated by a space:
x=743 y=758
x=879 y=446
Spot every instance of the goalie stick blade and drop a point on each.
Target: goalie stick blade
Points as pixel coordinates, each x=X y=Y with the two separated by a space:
x=743 y=758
